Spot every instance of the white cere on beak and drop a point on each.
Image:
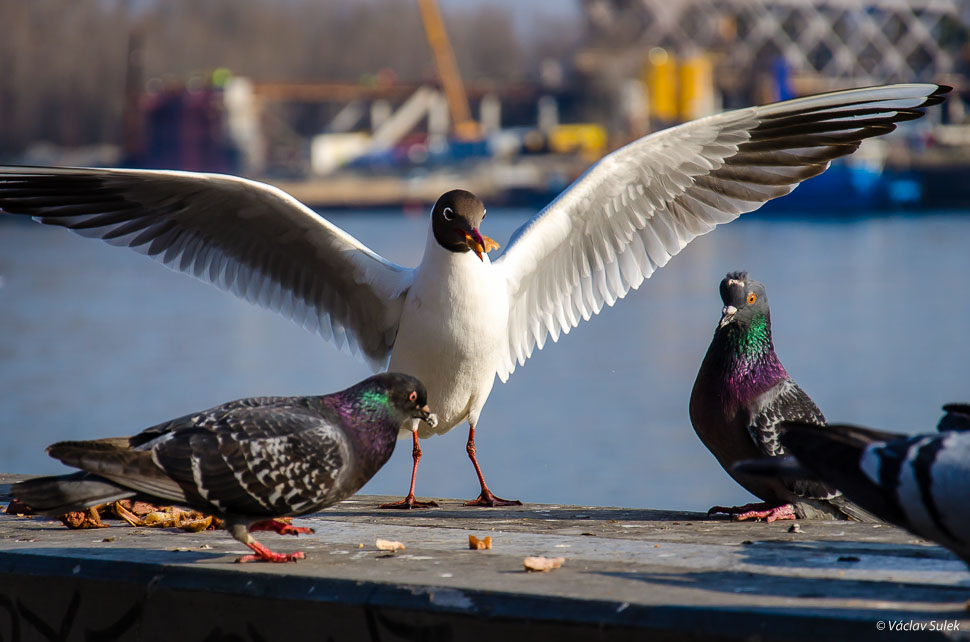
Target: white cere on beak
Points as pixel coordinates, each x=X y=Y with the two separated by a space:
x=727 y=313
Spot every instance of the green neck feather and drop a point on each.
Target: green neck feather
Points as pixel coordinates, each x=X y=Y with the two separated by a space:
x=755 y=340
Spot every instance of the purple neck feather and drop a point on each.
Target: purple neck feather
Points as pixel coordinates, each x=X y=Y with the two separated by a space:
x=749 y=365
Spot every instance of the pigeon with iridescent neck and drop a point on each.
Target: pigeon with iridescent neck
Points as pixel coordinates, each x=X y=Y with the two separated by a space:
x=250 y=460
x=741 y=394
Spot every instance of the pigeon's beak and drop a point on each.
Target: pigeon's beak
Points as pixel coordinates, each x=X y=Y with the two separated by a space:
x=428 y=417
x=479 y=244
x=727 y=315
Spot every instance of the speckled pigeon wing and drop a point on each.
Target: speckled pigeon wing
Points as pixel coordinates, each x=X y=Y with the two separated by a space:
x=205 y=419
x=259 y=462
x=787 y=402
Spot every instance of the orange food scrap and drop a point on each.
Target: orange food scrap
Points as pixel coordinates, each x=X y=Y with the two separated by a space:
x=484 y=544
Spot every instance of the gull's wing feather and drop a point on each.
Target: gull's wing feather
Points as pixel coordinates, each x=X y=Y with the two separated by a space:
x=637 y=207
x=245 y=237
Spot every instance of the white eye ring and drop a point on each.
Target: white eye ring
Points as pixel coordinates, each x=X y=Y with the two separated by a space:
x=448 y=213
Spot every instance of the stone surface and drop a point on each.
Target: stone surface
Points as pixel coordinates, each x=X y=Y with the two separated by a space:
x=626 y=572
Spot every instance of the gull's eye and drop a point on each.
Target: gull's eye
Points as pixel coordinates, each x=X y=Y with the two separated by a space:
x=413 y=396
x=448 y=213
x=752 y=297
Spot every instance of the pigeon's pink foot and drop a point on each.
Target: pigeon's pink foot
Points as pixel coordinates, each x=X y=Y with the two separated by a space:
x=263 y=554
x=281 y=526
x=760 y=511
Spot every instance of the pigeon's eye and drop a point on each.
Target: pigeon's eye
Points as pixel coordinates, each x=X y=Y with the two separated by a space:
x=752 y=297
x=413 y=396
x=448 y=213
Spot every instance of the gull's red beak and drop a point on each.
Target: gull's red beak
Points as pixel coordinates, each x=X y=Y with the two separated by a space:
x=479 y=244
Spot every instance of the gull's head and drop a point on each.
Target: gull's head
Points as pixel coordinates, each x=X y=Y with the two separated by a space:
x=455 y=220
x=744 y=299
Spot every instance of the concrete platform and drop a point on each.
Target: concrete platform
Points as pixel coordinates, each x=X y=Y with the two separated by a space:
x=627 y=573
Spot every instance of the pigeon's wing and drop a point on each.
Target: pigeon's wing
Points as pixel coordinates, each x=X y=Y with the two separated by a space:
x=637 y=207
x=957 y=417
x=245 y=237
x=787 y=402
x=206 y=419
x=259 y=462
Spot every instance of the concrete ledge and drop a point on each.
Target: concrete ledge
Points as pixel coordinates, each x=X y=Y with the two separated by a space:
x=627 y=574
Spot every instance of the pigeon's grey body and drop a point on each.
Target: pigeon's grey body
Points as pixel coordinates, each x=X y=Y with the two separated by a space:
x=921 y=483
x=742 y=393
x=611 y=229
x=247 y=460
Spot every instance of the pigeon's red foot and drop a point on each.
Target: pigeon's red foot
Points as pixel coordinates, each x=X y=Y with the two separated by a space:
x=408 y=503
x=263 y=554
x=760 y=511
x=488 y=500
x=282 y=526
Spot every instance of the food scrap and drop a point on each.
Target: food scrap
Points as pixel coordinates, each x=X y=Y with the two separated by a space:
x=543 y=564
x=135 y=513
x=389 y=545
x=484 y=544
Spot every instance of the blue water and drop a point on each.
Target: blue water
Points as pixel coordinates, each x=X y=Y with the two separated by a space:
x=870 y=316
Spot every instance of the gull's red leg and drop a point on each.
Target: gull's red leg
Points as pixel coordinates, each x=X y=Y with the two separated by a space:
x=409 y=501
x=486 y=498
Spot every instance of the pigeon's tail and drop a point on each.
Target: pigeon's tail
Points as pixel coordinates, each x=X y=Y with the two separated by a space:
x=834 y=453
x=65 y=493
x=789 y=467
x=957 y=417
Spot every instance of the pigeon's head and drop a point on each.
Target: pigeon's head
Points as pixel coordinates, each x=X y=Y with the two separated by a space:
x=455 y=220
x=744 y=299
x=406 y=396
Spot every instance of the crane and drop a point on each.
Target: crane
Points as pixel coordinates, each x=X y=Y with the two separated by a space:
x=444 y=56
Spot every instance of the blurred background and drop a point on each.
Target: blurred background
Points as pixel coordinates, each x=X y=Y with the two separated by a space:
x=367 y=110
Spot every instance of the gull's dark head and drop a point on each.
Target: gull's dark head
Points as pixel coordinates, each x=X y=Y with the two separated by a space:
x=744 y=299
x=406 y=397
x=455 y=220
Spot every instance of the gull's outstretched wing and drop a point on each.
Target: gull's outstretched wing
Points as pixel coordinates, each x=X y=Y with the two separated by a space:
x=245 y=237
x=637 y=207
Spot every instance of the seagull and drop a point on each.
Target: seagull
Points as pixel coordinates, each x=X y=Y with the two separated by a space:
x=458 y=320
x=741 y=395
x=919 y=483
x=250 y=460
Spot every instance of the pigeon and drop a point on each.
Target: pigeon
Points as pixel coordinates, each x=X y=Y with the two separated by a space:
x=458 y=320
x=741 y=394
x=249 y=461
x=957 y=417
x=921 y=483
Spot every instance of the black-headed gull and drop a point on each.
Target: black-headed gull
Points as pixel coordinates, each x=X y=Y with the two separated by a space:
x=458 y=320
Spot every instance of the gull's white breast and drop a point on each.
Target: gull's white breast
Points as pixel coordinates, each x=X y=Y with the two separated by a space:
x=453 y=333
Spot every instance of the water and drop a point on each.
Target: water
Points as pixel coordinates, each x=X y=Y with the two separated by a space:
x=870 y=317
